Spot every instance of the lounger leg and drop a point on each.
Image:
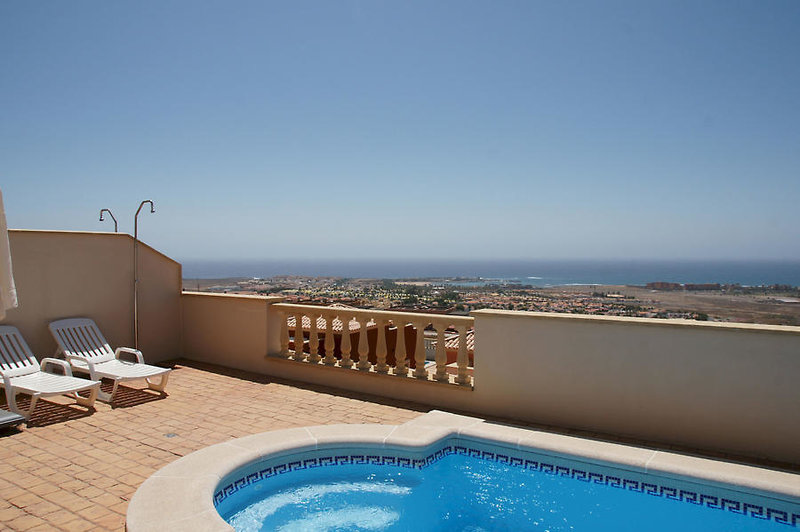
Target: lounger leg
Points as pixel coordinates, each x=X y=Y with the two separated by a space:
x=161 y=385
x=113 y=391
x=107 y=397
x=11 y=396
x=88 y=402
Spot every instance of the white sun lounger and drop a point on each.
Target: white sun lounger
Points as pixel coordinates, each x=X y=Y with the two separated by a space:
x=22 y=373
x=82 y=344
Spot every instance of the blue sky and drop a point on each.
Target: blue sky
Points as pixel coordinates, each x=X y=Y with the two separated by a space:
x=531 y=129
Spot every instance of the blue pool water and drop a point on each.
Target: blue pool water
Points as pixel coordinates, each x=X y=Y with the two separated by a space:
x=464 y=487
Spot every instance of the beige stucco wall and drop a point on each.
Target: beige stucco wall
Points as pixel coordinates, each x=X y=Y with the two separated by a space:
x=230 y=330
x=61 y=274
x=713 y=386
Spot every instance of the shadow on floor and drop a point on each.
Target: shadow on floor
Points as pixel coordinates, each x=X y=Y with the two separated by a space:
x=127 y=397
x=49 y=413
x=266 y=379
x=9 y=431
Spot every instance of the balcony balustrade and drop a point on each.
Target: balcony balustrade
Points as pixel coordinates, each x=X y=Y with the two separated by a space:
x=370 y=340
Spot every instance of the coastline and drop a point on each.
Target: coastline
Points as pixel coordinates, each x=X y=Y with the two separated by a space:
x=533 y=272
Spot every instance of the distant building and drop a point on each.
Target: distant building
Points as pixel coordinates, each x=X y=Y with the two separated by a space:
x=660 y=285
x=677 y=286
x=704 y=286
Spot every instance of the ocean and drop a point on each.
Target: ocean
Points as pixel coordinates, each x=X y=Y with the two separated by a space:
x=532 y=272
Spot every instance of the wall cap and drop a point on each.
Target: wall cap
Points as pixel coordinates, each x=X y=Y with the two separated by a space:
x=454 y=319
x=96 y=233
x=267 y=299
x=523 y=314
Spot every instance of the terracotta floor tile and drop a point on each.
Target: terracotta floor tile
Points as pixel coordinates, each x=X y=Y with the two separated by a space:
x=43 y=508
x=9 y=514
x=78 y=525
x=59 y=517
x=25 y=522
x=111 y=521
x=45 y=527
x=24 y=500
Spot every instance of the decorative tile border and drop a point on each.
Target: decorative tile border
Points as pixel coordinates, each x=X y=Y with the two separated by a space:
x=615 y=481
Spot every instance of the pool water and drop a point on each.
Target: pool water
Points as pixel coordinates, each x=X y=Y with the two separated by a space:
x=476 y=491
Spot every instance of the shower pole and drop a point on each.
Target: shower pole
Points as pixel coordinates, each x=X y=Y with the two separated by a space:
x=136 y=270
x=112 y=217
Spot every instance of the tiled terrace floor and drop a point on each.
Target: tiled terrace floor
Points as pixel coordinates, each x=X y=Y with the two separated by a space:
x=68 y=470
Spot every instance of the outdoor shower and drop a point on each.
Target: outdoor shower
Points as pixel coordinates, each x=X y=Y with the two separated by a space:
x=136 y=270
x=112 y=217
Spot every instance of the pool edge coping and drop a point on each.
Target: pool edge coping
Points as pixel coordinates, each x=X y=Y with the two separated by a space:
x=163 y=499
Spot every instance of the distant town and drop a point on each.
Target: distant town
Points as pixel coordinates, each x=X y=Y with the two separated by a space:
x=776 y=304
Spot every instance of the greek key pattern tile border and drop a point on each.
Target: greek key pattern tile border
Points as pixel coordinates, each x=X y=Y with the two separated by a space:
x=649 y=488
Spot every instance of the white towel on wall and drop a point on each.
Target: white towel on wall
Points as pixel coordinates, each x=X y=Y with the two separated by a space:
x=8 y=292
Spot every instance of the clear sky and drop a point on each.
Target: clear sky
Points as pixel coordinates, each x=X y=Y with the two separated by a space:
x=529 y=129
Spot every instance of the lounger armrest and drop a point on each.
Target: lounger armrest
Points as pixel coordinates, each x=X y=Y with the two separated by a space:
x=84 y=362
x=6 y=383
x=130 y=351
x=48 y=362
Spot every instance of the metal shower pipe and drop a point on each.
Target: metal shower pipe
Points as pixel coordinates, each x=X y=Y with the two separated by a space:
x=112 y=217
x=136 y=270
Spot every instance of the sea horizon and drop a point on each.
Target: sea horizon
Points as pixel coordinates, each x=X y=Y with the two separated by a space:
x=530 y=272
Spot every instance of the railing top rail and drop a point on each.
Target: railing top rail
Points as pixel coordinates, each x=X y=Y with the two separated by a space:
x=385 y=314
x=656 y=322
x=268 y=299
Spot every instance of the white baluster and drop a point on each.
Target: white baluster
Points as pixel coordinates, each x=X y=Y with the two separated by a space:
x=380 y=347
x=419 y=351
x=313 y=340
x=298 y=338
x=284 y=334
x=441 y=353
x=330 y=343
x=400 y=355
x=463 y=356
x=346 y=361
x=363 y=345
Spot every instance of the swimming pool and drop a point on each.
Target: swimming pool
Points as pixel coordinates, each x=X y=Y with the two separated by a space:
x=464 y=484
x=447 y=472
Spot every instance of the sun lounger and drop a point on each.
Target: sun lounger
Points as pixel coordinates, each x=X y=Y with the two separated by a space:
x=82 y=344
x=22 y=373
